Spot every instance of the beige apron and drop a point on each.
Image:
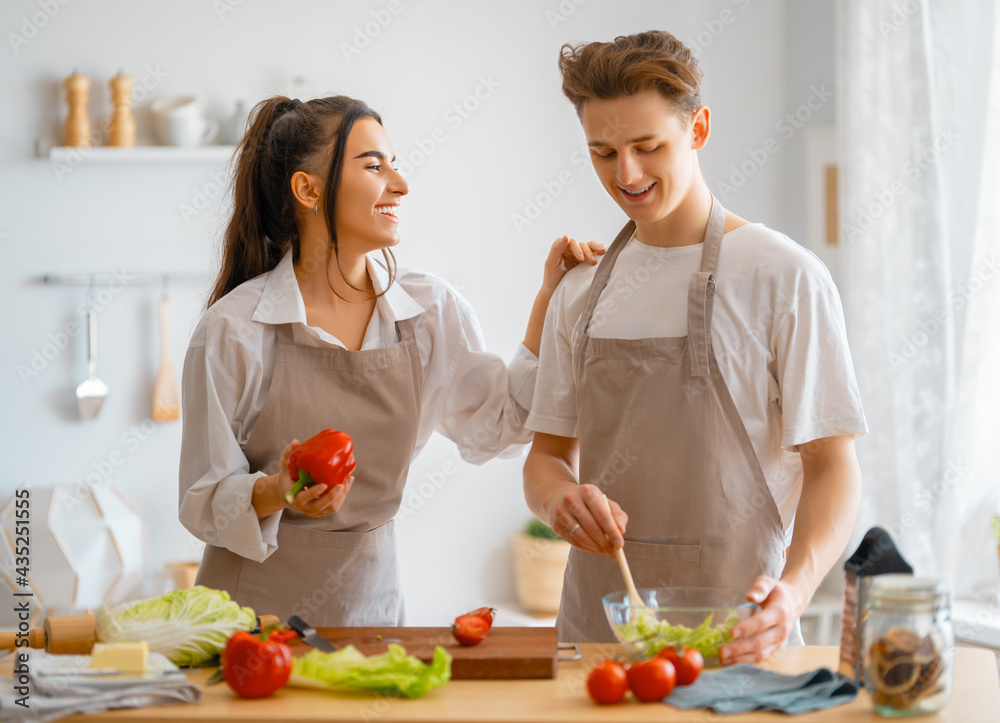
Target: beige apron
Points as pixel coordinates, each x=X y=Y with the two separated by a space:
x=660 y=434
x=338 y=570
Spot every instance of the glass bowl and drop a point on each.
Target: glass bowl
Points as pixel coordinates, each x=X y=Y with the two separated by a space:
x=699 y=617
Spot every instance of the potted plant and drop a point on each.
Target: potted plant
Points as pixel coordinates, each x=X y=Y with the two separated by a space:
x=540 y=557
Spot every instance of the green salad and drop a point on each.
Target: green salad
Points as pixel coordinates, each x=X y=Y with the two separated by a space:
x=649 y=635
x=391 y=673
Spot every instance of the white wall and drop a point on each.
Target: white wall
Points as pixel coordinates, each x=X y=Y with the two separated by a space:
x=758 y=58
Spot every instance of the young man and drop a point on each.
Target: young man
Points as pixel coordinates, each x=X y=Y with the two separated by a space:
x=700 y=377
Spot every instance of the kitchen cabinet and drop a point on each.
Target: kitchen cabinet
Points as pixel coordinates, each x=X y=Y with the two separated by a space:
x=976 y=698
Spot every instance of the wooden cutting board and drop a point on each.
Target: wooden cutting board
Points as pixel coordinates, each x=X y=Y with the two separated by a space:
x=507 y=652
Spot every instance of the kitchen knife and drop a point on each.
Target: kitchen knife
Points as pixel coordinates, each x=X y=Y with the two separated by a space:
x=309 y=635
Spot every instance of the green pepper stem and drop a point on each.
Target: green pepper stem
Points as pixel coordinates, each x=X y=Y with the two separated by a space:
x=305 y=480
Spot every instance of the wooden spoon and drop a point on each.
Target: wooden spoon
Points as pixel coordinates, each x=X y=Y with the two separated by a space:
x=633 y=593
x=166 y=401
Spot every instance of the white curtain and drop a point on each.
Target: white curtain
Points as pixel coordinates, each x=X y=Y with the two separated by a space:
x=919 y=124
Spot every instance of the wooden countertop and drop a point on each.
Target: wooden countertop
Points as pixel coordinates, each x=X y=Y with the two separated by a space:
x=976 y=698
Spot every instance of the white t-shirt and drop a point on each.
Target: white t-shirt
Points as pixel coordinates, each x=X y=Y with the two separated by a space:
x=777 y=331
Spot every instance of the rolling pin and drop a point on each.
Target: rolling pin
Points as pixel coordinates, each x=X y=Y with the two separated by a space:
x=75 y=634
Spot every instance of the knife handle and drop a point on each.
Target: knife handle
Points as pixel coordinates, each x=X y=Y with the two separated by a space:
x=298 y=624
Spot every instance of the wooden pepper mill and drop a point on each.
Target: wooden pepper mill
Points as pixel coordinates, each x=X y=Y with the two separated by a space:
x=122 y=130
x=76 y=129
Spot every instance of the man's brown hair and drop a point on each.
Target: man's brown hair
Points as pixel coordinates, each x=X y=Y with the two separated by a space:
x=629 y=65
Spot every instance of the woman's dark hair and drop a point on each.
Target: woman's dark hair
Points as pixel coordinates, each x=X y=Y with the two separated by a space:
x=629 y=65
x=284 y=137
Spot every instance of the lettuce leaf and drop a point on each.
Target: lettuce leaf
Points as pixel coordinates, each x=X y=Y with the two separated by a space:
x=649 y=635
x=188 y=626
x=391 y=673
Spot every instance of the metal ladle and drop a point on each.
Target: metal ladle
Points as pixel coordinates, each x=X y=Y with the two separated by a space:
x=91 y=393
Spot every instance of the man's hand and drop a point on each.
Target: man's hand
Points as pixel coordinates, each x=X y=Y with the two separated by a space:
x=761 y=634
x=828 y=506
x=577 y=513
x=581 y=516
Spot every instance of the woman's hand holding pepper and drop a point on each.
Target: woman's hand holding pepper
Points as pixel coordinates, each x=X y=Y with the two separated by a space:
x=315 y=501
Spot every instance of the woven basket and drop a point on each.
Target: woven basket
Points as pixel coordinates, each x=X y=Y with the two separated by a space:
x=539 y=565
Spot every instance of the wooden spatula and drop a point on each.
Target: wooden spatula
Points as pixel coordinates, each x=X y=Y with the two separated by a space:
x=166 y=401
x=633 y=593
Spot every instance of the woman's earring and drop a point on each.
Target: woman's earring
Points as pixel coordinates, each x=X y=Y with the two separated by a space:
x=316 y=210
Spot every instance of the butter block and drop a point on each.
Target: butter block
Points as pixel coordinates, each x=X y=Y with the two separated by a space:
x=126 y=657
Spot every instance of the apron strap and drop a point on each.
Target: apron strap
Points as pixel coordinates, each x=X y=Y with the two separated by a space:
x=404 y=327
x=713 y=237
x=604 y=273
x=701 y=293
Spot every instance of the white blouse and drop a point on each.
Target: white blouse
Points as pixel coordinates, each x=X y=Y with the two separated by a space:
x=469 y=395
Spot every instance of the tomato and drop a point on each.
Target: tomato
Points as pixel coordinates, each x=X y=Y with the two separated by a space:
x=256 y=666
x=652 y=679
x=607 y=683
x=688 y=664
x=471 y=628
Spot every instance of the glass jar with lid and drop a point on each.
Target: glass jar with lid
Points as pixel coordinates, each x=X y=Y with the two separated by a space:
x=910 y=645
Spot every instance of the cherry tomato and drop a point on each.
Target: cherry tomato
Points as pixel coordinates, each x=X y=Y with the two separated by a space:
x=607 y=683
x=652 y=679
x=471 y=628
x=688 y=664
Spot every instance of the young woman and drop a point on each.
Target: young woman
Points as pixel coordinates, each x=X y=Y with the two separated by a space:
x=701 y=377
x=308 y=329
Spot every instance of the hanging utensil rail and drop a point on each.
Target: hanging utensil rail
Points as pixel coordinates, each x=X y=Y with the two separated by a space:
x=138 y=279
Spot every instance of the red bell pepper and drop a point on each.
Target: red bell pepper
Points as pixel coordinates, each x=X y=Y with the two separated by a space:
x=256 y=666
x=327 y=458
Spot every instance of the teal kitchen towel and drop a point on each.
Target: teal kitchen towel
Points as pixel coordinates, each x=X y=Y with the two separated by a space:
x=744 y=688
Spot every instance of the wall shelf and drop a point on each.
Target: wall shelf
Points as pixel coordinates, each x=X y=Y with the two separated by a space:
x=72 y=156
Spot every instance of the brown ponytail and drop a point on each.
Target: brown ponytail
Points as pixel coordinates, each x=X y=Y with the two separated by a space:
x=283 y=138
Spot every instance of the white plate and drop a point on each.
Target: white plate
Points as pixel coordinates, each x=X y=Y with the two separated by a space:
x=74 y=669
